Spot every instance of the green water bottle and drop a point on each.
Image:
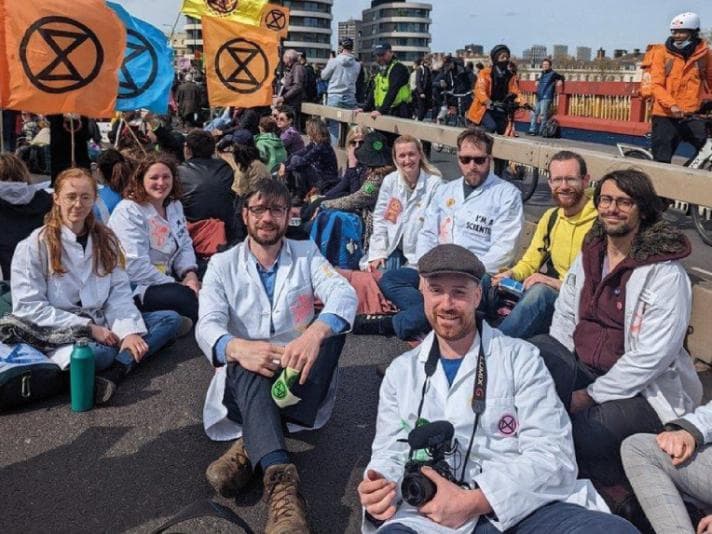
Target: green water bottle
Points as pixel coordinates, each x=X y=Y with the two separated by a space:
x=81 y=375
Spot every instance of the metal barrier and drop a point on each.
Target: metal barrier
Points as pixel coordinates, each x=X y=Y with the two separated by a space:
x=671 y=181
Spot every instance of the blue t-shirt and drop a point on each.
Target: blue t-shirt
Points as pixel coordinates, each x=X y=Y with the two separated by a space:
x=110 y=197
x=450 y=366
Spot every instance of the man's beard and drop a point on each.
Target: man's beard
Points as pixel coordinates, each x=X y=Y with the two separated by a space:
x=266 y=242
x=453 y=332
x=568 y=202
x=618 y=230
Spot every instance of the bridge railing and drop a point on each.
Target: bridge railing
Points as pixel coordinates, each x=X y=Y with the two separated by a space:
x=671 y=181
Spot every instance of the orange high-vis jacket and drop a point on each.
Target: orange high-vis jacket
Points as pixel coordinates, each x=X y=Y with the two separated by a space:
x=482 y=92
x=679 y=82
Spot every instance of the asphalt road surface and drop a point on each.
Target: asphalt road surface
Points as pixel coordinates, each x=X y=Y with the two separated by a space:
x=131 y=466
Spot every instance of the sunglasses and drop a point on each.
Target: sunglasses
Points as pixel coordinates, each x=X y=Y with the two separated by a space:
x=356 y=143
x=479 y=160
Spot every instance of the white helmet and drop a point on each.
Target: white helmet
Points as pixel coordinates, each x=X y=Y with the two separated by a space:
x=685 y=21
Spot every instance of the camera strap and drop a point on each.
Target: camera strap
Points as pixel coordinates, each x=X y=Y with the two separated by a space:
x=479 y=393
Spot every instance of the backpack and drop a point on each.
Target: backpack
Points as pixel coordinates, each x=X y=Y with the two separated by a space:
x=26 y=375
x=646 y=82
x=338 y=235
x=551 y=129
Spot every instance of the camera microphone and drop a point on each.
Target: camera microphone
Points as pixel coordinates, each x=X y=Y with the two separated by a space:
x=431 y=435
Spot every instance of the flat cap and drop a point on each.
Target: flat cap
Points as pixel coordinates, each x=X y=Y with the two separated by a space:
x=451 y=259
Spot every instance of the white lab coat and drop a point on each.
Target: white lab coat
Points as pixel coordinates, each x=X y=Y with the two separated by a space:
x=701 y=420
x=233 y=301
x=520 y=466
x=488 y=222
x=76 y=298
x=400 y=216
x=658 y=301
x=157 y=249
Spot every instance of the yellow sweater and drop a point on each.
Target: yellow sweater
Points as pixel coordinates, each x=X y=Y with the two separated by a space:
x=566 y=239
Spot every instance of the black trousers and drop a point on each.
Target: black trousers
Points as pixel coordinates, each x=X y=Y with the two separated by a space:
x=668 y=133
x=172 y=296
x=598 y=431
x=248 y=400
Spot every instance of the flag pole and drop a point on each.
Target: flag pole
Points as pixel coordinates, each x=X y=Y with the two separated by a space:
x=118 y=131
x=173 y=29
x=71 y=135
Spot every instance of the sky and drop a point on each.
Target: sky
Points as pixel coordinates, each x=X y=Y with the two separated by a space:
x=609 y=24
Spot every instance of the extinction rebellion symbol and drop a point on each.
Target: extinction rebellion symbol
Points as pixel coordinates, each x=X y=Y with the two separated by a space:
x=245 y=63
x=223 y=7
x=59 y=39
x=141 y=51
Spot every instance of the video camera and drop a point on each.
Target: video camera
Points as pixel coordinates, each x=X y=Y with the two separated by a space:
x=436 y=439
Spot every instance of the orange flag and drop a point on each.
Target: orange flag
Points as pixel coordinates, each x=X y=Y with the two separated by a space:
x=276 y=19
x=60 y=56
x=240 y=70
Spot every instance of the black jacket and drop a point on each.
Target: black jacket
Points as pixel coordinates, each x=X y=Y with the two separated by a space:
x=207 y=191
x=18 y=218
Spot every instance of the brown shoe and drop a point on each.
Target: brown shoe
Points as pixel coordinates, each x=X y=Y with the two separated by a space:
x=287 y=509
x=231 y=472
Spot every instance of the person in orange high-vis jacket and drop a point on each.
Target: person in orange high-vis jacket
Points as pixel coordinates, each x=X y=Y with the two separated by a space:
x=680 y=73
x=493 y=85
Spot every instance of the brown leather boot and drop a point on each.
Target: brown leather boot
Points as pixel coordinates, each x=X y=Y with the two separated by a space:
x=287 y=509
x=231 y=472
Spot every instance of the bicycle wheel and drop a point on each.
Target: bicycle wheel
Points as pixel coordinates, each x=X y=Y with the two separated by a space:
x=702 y=215
x=637 y=154
x=523 y=177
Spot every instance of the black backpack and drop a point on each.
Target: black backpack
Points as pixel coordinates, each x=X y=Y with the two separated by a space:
x=551 y=129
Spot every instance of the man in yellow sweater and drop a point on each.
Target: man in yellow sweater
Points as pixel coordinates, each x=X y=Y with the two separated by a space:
x=556 y=242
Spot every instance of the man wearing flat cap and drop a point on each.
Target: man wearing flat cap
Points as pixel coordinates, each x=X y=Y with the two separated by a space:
x=512 y=462
x=390 y=93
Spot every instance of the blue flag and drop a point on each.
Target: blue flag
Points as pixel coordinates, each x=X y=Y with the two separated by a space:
x=146 y=74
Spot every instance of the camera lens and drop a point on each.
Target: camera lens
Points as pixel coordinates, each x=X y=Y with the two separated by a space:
x=417 y=489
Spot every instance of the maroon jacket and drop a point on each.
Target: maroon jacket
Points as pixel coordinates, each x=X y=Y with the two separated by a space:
x=599 y=335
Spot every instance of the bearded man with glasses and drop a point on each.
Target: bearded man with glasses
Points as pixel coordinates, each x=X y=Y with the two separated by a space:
x=615 y=347
x=478 y=211
x=275 y=359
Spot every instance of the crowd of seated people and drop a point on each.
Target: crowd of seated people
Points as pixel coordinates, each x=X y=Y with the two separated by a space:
x=604 y=304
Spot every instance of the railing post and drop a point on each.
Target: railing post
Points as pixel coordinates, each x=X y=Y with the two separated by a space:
x=562 y=104
x=637 y=109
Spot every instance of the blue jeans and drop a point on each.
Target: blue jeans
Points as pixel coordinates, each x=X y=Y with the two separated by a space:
x=395 y=261
x=401 y=288
x=531 y=316
x=162 y=327
x=338 y=101
x=554 y=518
x=541 y=111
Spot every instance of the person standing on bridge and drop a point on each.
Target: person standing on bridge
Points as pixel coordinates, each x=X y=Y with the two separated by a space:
x=390 y=92
x=546 y=88
x=493 y=85
x=344 y=74
x=275 y=359
x=680 y=71
x=615 y=347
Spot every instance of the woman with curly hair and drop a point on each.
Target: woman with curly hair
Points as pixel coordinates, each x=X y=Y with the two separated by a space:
x=70 y=273
x=151 y=226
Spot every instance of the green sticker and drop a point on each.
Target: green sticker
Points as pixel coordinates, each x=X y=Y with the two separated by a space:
x=369 y=188
x=377 y=145
x=279 y=390
x=421 y=422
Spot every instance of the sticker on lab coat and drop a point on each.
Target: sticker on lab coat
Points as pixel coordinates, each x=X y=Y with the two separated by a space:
x=158 y=232
x=507 y=425
x=393 y=210
x=301 y=310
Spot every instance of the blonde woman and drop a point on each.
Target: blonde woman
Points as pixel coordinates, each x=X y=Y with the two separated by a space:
x=400 y=209
x=355 y=172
